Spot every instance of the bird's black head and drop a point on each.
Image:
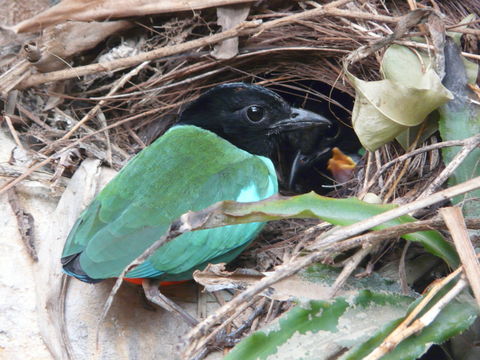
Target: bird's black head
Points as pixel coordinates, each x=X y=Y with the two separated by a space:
x=249 y=116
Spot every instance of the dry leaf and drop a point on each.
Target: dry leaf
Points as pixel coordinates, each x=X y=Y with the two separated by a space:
x=229 y=17
x=384 y=109
x=25 y=223
x=89 y=10
x=214 y=277
x=59 y=43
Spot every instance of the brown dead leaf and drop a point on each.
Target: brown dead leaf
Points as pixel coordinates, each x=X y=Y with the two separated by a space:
x=214 y=277
x=229 y=17
x=59 y=43
x=89 y=10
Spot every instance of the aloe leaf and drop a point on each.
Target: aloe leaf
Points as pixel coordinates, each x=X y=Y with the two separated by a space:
x=456 y=317
x=320 y=329
x=334 y=211
x=353 y=324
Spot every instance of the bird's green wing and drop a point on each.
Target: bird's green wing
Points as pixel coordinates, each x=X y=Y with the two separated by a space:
x=188 y=168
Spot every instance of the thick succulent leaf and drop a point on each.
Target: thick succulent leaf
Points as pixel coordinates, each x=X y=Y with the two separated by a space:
x=460 y=119
x=384 y=109
x=334 y=211
x=322 y=329
x=456 y=317
x=354 y=323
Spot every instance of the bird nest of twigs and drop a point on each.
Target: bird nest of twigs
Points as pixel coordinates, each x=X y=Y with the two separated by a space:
x=66 y=101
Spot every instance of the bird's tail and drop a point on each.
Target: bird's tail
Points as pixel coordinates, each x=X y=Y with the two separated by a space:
x=71 y=266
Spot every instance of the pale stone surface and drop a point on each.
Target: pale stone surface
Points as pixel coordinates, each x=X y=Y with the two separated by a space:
x=30 y=293
x=19 y=332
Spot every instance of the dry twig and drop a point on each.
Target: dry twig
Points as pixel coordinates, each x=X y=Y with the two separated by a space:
x=411 y=326
x=456 y=224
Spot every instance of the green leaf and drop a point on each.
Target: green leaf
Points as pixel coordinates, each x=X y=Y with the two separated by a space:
x=456 y=317
x=320 y=329
x=460 y=119
x=430 y=126
x=353 y=324
x=470 y=67
x=334 y=211
x=472 y=71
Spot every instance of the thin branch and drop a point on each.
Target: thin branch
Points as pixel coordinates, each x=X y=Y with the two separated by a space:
x=470 y=145
x=421 y=150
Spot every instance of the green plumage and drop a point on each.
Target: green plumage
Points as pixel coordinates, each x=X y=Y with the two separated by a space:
x=188 y=168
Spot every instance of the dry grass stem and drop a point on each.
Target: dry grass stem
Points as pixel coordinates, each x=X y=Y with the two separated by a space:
x=470 y=145
x=439 y=145
x=456 y=224
x=407 y=329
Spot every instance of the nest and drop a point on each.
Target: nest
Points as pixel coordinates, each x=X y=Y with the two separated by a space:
x=112 y=115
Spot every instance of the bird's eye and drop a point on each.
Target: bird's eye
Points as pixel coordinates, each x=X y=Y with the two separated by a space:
x=255 y=113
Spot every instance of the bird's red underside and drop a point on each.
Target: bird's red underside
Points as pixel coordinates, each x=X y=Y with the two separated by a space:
x=139 y=281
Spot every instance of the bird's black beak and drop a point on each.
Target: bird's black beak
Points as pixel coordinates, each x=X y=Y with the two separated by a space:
x=300 y=119
x=302 y=161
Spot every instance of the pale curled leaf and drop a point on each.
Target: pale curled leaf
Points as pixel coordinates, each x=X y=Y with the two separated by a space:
x=384 y=109
x=229 y=17
x=403 y=65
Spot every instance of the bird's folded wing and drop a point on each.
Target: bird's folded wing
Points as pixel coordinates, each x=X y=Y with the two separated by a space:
x=186 y=169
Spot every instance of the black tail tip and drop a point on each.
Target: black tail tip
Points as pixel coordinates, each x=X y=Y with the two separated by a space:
x=71 y=266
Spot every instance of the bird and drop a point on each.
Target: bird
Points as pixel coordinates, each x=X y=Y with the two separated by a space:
x=220 y=149
x=342 y=165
